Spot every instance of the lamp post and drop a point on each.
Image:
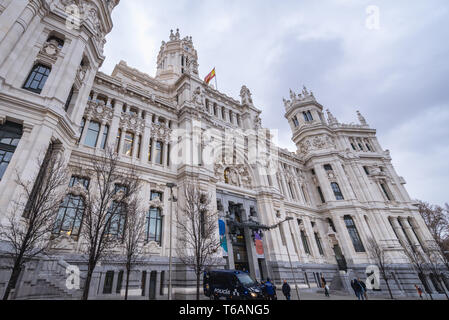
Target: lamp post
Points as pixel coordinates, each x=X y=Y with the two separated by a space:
x=289 y=257
x=172 y=199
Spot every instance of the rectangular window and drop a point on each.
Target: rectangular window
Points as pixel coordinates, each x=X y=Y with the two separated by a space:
x=321 y=195
x=119 y=282
x=386 y=191
x=159 y=149
x=92 y=134
x=354 y=234
x=69 y=99
x=116 y=219
x=10 y=135
x=128 y=144
x=108 y=281
x=37 y=78
x=305 y=242
x=318 y=243
x=366 y=170
x=337 y=191
x=328 y=167
x=144 y=282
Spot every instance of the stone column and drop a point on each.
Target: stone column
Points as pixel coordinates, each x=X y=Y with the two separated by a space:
x=18 y=28
x=122 y=138
x=345 y=241
x=115 y=125
x=165 y=154
x=136 y=145
x=146 y=140
x=409 y=231
x=100 y=135
x=398 y=229
x=311 y=235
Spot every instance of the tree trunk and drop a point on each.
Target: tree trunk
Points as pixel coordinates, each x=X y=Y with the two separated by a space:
x=389 y=289
x=86 y=289
x=12 y=280
x=198 y=276
x=128 y=271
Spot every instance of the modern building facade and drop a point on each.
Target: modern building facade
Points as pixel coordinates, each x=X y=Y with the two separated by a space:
x=339 y=188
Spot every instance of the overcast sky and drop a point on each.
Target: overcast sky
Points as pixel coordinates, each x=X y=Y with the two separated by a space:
x=397 y=76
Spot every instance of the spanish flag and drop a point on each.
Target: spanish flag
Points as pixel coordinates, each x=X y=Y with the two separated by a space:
x=210 y=76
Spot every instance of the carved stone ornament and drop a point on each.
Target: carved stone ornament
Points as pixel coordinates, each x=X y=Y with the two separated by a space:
x=152 y=248
x=99 y=111
x=236 y=175
x=63 y=243
x=161 y=132
x=132 y=122
x=317 y=143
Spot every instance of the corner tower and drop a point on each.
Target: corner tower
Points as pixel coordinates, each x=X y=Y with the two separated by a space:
x=176 y=57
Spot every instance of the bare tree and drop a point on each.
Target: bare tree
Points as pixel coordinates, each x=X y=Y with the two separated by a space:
x=197 y=233
x=418 y=261
x=434 y=258
x=134 y=236
x=436 y=219
x=381 y=258
x=32 y=218
x=105 y=212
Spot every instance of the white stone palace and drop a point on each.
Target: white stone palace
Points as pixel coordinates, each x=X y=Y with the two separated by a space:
x=339 y=188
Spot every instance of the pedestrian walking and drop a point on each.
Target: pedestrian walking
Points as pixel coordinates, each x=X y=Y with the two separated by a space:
x=365 y=291
x=323 y=281
x=326 y=290
x=270 y=290
x=358 y=289
x=286 y=290
x=420 y=292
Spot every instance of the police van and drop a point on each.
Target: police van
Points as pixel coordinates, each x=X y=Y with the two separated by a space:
x=231 y=285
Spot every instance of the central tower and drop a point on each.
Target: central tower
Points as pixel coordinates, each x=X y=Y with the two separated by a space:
x=176 y=57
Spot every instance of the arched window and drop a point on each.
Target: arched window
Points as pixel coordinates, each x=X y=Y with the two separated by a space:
x=354 y=234
x=116 y=219
x=337 y=191
x=10 y=135
x=37 y=78
x=70 y=216
x=154 y=225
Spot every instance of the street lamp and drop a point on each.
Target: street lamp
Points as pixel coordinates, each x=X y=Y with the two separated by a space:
x=289 y=257
x=172 y=199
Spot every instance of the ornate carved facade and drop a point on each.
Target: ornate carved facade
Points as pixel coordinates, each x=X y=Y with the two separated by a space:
x=339 y=186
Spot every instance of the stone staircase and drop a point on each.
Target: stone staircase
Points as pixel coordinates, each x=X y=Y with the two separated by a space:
x=48 y=282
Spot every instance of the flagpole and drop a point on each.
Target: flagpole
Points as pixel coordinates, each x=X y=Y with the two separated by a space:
x=216 y=85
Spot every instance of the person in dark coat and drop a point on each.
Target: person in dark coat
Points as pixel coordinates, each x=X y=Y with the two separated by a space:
x=286 y=290
x=358 y=289
x=365 y=291
x=270 y=290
